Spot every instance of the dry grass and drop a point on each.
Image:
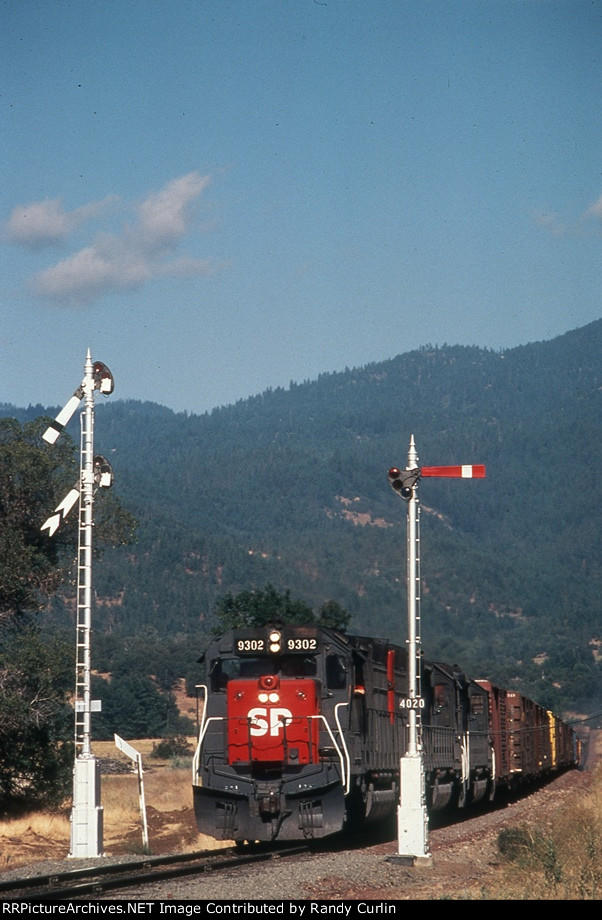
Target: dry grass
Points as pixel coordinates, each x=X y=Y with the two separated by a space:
x=561 y=862
x=170 y=815
x=31 y=838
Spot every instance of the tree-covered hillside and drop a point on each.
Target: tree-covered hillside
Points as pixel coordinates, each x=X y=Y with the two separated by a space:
x=289 y=487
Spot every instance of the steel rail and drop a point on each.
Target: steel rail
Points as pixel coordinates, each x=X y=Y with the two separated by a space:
x=100 y=879
x=104 y=869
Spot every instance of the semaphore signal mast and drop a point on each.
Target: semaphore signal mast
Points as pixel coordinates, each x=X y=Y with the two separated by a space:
x=412 y=815
x=95 y=472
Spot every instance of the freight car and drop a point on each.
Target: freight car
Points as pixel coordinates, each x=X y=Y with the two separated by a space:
x=303 y=728
x=527 y=740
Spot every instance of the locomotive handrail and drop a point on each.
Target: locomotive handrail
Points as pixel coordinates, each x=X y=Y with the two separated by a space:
x=342 y=736
x=202 y=732
x=197 y=753
x=345 y=768
x=465 y=757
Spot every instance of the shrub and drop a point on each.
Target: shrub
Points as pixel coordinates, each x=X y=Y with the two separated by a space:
x=171 y=748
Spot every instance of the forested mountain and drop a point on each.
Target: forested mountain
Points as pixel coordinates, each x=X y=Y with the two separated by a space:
x=289 y=487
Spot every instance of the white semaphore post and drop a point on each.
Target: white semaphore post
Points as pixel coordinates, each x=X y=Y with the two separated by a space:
x=86 y=813
x=412 y=812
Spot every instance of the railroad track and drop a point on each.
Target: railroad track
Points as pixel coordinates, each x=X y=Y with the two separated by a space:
x=95 y=880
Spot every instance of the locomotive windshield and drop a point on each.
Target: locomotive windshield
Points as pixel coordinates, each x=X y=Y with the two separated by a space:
x=225 y=669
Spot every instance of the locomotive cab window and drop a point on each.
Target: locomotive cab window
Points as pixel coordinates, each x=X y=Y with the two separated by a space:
x=336 y=674
x=440 y=696
x=295 y=666
x=224 y=670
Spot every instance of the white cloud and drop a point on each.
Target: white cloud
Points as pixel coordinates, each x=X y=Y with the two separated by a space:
x=92 y=271
x=596 y=209
x=45 y=223
x=140 y=253
x=553 y=223
x=164 y=217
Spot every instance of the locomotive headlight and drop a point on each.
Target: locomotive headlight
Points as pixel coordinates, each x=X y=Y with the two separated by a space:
x=275 y=640
x=268 y=698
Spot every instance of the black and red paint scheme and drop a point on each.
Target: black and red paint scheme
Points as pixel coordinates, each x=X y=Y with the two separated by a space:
x=303 y=728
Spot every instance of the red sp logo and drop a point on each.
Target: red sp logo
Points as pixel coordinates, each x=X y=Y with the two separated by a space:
x=272 y=720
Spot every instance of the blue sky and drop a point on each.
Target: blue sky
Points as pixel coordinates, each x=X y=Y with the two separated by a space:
x=221 y=196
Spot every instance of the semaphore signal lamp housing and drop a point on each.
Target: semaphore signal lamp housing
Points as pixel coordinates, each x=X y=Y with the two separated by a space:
x=403 y=481
x=103 y=378
x=103 y=472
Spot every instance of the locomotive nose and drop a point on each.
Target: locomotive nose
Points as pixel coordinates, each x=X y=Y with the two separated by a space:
x=268 y=682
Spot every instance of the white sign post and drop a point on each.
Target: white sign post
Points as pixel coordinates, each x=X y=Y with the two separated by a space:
x=135 y=755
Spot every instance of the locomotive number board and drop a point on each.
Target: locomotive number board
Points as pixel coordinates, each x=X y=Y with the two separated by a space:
x=276 y=642
x=294 y=643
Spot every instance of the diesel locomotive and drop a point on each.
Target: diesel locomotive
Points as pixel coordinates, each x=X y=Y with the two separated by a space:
x=303 y=728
